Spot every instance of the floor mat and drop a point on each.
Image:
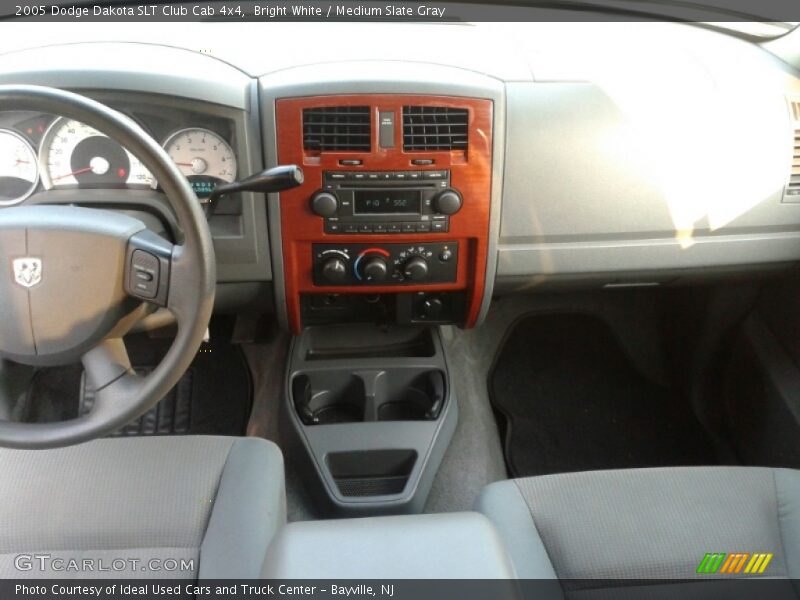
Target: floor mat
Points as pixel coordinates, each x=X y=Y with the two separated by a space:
x=573 y=401
x=213 y=397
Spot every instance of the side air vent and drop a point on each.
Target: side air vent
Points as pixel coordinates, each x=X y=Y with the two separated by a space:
x=337 y=129
x=792 y=192
x=434 y=128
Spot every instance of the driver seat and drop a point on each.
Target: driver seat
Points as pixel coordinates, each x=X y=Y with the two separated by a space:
x=212 y=502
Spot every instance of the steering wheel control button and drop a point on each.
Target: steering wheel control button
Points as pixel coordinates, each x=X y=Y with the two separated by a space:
x=145 y=269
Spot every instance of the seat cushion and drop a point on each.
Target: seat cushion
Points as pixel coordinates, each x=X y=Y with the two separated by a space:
x=646 y=523
x=212 y=502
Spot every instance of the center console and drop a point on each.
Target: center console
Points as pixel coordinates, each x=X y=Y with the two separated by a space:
x=372 y=409
x=388 y=237
x=392 y=222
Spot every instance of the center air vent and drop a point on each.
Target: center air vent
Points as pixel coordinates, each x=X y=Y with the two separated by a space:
x=337 y=129
x=792 y=192
x=434 y=128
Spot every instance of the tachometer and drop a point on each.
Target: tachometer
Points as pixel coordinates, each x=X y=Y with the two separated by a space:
x=76 y=154
x=19 y=172
x=204 y=157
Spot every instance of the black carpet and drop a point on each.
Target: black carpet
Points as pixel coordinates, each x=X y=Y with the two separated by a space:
x=573 y=401
x=213 y=397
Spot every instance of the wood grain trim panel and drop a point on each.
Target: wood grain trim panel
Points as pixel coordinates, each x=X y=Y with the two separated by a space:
x=470 y=174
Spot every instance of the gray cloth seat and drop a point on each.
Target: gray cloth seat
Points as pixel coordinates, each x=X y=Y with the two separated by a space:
x=162 y=507
x=588 y=527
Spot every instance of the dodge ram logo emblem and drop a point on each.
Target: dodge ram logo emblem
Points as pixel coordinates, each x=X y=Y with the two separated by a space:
x=27 y=271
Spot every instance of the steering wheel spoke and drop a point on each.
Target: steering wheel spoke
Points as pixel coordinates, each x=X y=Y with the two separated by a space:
x=112 y=380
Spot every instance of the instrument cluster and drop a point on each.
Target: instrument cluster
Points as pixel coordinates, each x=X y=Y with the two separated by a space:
x=45 y=152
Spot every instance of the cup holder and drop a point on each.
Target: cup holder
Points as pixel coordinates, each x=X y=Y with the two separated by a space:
x=413 y=396
x=324 y=398
x=327 y=397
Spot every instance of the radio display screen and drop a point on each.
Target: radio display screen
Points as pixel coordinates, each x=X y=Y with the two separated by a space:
x=386 y=202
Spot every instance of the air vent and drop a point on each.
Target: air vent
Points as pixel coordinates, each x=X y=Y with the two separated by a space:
x=337 y=129
x=792 y=192
x=434 y=128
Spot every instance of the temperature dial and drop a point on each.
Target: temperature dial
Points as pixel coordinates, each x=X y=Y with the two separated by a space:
x=371 y=266
x=375 y=269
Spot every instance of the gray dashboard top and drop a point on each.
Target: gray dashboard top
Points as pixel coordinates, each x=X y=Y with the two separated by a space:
x=627 y=147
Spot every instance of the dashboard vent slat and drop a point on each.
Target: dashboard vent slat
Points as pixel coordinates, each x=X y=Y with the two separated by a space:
x=435 y=128
x=792 y=190
x=337 y=129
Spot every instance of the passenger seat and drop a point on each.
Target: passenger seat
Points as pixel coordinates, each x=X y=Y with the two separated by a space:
x=647 y=524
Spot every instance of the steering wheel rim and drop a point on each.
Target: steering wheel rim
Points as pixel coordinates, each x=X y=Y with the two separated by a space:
x=121 y=395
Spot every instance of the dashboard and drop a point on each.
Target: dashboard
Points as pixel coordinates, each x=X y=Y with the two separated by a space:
x=667 y=156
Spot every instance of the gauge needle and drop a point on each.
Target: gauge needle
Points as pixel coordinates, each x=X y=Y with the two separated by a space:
x=78 y=172
x=98 y=165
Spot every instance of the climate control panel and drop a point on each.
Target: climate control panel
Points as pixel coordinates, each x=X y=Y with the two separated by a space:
x=385 y=264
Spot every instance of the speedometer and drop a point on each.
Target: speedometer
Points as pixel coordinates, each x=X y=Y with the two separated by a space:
x=203 y=157
x=19 y=173
x=75 y=154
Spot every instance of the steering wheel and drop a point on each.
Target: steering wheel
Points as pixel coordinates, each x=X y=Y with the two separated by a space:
x=73 y=280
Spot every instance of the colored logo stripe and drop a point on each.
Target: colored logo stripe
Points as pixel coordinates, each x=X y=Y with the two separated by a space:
x=710 y=563
x=734 y=563
x=758 y=564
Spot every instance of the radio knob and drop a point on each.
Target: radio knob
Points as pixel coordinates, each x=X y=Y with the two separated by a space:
x=447 y=202
x=375 y=269
x=416 y=269
x=324 y=204
x=334 y=269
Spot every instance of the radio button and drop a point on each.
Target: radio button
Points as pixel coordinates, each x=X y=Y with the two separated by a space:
x=333 y=227
x=379 y=227
x=415 y=175
x=337 y=175
x=424 y=227
x=447 y=202
x=350 y=228
x=439 y=226
x=372 y=176
x=365 y=228
x=359 y=176
x=324 y=204
x=394 y=228
x=434 y=174
x=409 y=227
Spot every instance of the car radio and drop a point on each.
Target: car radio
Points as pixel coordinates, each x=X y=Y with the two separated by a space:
x=357 y=202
